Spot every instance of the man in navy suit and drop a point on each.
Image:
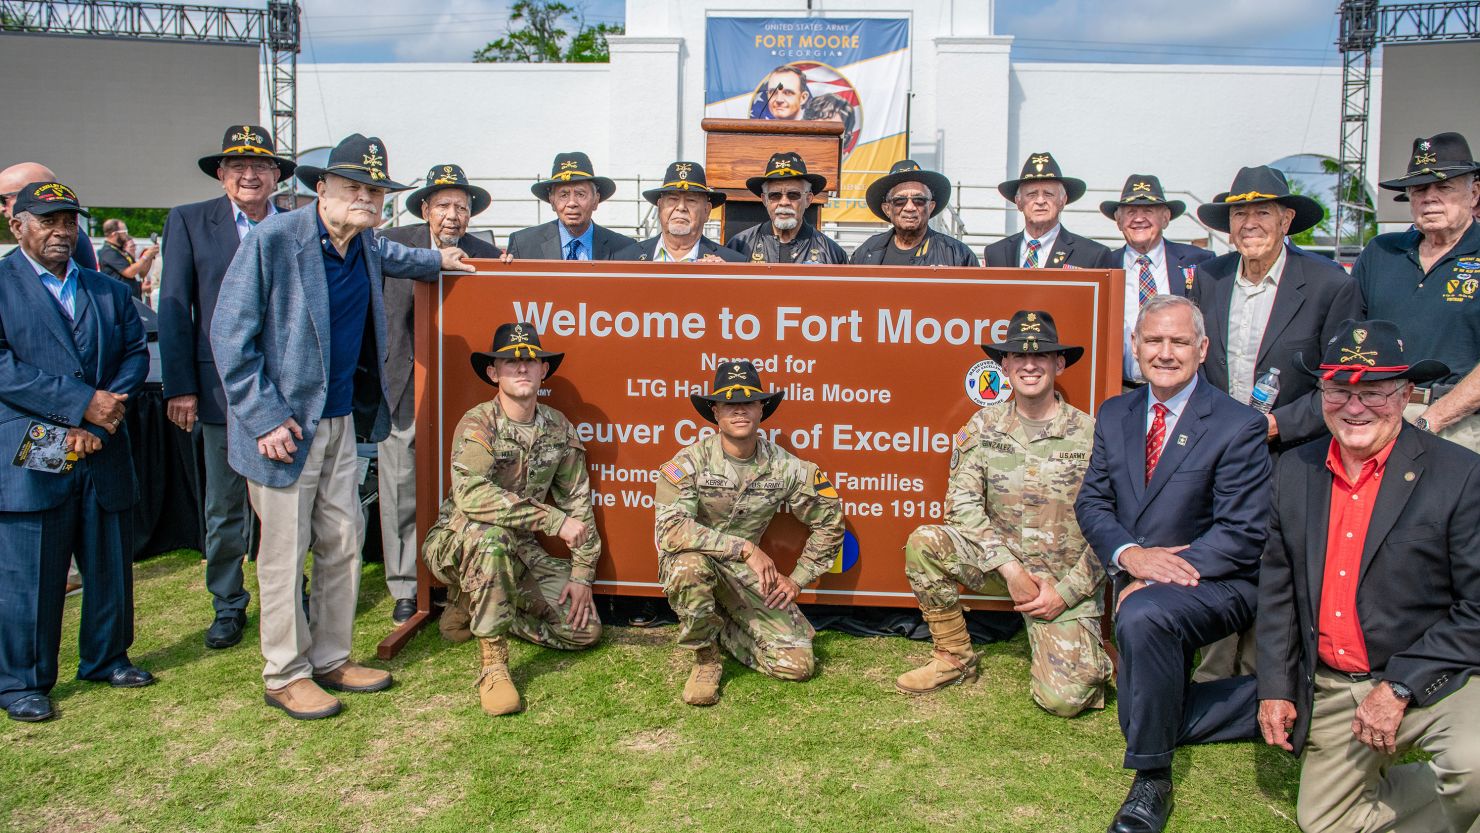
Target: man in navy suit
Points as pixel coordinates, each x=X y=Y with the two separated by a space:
x=1153 y=265
x=72 y=351
x=200 y=240
x=1175 y=504
x=1040 y=192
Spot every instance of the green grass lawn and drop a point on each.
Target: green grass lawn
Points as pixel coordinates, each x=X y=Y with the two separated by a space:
x=603 y=745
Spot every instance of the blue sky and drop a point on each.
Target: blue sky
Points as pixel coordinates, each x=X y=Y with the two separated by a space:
x=1135 y=31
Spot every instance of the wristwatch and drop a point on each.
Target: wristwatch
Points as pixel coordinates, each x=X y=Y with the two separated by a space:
x=1422 y=424
x=1400 y=691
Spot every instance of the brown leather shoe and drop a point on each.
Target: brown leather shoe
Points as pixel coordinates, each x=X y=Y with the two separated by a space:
x=303 y=700
x=351 y=676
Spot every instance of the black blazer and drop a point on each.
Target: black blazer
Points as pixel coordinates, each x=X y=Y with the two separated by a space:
x=1314 y=295
x=1210 y=490
x=1182 y=259
x=198 y=244
x=542 y=242
x=400 y=310
x=1068 y=250
x=648 y=248
x=1418 y=593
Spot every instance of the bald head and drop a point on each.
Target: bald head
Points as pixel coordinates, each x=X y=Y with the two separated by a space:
x=18 y=176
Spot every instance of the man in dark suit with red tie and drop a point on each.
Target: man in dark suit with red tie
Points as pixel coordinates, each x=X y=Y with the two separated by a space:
x=1369 y=602
x=1175 y=504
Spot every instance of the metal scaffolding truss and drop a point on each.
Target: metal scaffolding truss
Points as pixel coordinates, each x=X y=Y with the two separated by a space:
x=1364 y=25
x=274 y=28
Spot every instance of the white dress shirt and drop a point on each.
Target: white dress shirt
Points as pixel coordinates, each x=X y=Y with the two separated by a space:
x=1045 y=249
x=1158 y=255
x=1248 y=315
x=662 y=255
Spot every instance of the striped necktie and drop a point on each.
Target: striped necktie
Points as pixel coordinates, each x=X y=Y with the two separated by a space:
x=1031 y=261
x=1154 y=438
x=1148 y=282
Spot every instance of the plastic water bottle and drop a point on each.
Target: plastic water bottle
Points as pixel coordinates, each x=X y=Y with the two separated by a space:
x=1266 y=391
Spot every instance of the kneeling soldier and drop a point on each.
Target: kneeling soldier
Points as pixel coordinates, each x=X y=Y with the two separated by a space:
x=714 y=500
x=517 y=469
x=1010 y=526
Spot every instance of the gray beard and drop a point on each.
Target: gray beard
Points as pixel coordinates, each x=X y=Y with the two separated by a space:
x=786 y=224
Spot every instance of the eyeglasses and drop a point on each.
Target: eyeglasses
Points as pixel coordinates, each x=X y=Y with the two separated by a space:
x=255 y=167
x=1370 y=398
x=901 y=202
x=791 y=196
x=6 y=198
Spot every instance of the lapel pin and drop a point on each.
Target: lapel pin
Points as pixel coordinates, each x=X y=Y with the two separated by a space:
x=1410 y=477
x=1181 y=439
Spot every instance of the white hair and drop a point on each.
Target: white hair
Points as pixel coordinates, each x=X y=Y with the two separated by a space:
x=1157 y=303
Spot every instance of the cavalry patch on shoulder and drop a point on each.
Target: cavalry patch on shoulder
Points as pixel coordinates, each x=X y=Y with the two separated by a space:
x=823 y=486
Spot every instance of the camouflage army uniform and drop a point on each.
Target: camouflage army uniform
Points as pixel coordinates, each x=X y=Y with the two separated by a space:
x=707 y=509
x=503 y=492
x=1011 y=497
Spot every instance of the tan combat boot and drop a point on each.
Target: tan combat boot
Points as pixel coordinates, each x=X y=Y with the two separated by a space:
x=702 y=689
x=495 y=688
x=455 y=623
x=953 y=660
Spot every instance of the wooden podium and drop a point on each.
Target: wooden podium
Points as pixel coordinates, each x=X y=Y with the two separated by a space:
x=738 y=149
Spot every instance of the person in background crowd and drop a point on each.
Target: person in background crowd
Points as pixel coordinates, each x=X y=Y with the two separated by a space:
x=120 y=260
x=11 y=180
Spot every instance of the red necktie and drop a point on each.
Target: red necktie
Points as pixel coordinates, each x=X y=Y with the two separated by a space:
x=1154 y=437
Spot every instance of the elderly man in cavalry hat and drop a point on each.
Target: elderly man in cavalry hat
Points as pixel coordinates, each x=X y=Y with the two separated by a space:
x=518 y=470
x=574 y=191
x=714 y=500
x=1369 y=602
x=907 y=198
x=1040 y=192
x=300 y=339
x=1427 y=281
x=684 y=201
x=1010 y=530
x=447 y=202
x=1153 y=265
x=786 y=190
x=200 y=239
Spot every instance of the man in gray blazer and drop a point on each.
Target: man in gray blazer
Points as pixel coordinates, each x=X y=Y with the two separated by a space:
x=299 y=338
x=574 y=191
x=447 y=202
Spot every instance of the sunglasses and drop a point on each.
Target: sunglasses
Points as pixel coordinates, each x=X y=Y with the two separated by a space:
x=901 y=202
x=6 y=198
x=791 y=196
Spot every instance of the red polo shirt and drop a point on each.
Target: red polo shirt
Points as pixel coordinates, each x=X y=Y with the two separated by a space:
x=1340 y=643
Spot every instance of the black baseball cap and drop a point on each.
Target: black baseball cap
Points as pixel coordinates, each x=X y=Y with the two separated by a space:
x=42 y=198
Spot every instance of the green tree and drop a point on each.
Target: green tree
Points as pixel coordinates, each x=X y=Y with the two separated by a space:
x=1307 y=238
x=536 y=34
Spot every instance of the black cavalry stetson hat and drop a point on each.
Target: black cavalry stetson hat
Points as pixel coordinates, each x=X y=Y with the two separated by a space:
x=1142 y=189
x=246 y=141
x=356 y=157
x=908 y=170
x=1435 y=158
x=788 y=165
x=447 y=176
x=735 y=383
x=683 y=178
x=1032 y=331
x=42 y=198
x=1041 y=166
x=1369 y=351
x=518 y=340
x=1256 y=185
x=573 y=167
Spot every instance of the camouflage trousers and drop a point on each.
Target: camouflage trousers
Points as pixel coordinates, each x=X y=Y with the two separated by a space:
x=507 y=583
x=1069 y=665
x=722 y=600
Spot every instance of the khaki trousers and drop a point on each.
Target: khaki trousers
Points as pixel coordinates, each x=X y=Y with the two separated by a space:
x=1346 y=786
x=321 y=510
x=396 y=464
x=1466 y=431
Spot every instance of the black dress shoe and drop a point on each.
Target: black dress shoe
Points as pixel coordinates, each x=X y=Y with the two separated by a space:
x=130 y=676
x=404 y=610
x=33 y=708
x=226 y=630
x=1147 y=807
